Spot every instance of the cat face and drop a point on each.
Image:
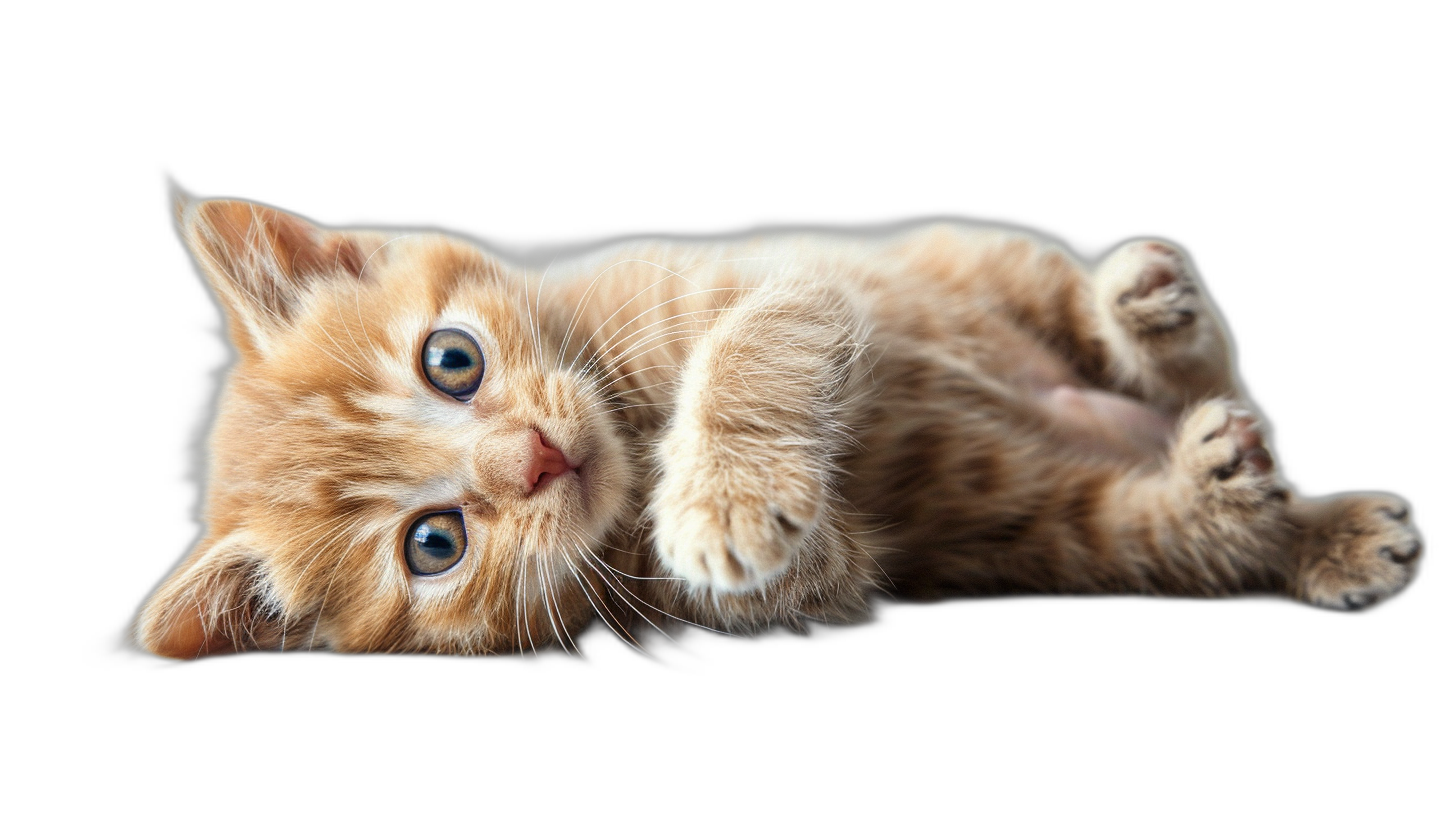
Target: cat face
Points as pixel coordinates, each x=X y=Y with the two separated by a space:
x=399 y=460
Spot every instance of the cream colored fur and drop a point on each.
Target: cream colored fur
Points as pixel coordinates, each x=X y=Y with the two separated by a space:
x=766 y=431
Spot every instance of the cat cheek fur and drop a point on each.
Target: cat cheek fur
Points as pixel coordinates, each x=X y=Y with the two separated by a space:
x=768 y=430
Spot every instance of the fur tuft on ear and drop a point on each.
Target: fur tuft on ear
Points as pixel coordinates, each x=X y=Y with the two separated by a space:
x=262 y=262
x=220 y=600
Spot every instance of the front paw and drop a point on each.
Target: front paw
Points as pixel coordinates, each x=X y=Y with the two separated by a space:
x=733 y=524
x=1366 y=552
x=1151 y=290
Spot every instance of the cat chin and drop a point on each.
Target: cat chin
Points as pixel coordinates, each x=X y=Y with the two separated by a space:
x=577 y=507
x=573 y=490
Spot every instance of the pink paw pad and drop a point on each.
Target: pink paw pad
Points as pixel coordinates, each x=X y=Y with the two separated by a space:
x=1159 y=296
x=1151 y=280
x=1250 y=454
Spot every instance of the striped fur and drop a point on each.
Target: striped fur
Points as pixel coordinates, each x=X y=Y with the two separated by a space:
x=770 y=431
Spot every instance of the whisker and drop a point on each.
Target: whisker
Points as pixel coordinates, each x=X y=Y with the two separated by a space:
x=630 y=406
x=534 y=316
x=697 y=289
x=662 y=339
x=556 y=599
x=587 y=343
x=571 y=325
x=625 y=404
x=612 y=342
x=654 y=608
x=616 y=380
x=621 y=630
x=521 y=612
x=546 y=599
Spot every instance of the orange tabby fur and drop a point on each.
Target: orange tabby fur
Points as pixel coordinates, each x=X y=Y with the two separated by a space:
x=770 y=429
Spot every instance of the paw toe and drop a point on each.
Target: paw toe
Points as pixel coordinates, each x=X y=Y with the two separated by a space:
x=1151 y=279
x=1359 y=600
x=1397 y=511
x=729 y=544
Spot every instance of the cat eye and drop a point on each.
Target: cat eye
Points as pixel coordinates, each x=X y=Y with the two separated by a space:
x=453 y=363
x=435 y=543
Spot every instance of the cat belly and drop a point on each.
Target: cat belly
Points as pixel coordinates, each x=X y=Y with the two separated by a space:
x=1090 y=419
x=1107 y=421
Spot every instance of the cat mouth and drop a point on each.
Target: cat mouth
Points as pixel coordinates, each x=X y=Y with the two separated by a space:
x=547 y=478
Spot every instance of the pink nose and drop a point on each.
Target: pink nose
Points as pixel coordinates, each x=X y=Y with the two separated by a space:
x=546 y=463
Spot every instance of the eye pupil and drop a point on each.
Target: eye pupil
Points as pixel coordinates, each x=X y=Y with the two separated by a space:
x=452 y=362
x=437 y=544
x=455 y=358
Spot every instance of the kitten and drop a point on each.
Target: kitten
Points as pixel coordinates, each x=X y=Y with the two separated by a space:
x=423 y=447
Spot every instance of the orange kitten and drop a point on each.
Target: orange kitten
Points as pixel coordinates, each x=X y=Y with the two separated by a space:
x=423 y=447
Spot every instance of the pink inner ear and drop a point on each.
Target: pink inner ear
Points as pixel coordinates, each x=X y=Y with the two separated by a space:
x=211 y=605
x=312 y=250
x=241 y=232
x=347 y=254
x=184 y=638
x=262 y=262
x=180 y=632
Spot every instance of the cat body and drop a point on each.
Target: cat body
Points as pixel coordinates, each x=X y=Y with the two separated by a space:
x=425 y=447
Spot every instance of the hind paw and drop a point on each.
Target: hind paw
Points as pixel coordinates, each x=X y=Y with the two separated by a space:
x=1365 y=552
x=1221 y=449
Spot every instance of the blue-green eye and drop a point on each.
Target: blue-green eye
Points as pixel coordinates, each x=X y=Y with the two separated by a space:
x=453 y=363
x=435 y=543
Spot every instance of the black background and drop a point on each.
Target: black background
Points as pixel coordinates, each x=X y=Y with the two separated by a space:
x=1296 y=204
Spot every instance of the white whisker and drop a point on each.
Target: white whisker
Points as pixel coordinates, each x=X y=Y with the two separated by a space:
x=661 y=340
x=621 y=630
x=556 y=601
x=623 y=588
x=546 y=599
x=521 y=610
x=587 y=343
x=612 y=342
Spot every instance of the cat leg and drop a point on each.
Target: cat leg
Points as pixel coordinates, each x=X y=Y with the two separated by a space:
x=1139 y=324
x=745 y=511
x=1165 y=341
x=1217 y=521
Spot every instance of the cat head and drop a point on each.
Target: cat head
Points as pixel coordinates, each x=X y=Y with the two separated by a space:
x=397 y=463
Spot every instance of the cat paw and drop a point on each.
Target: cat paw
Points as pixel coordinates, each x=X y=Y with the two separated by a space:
x=1151 y=289
x=733 y=524
x=1221 y=449
x=1164 y=336
x=1367 y=551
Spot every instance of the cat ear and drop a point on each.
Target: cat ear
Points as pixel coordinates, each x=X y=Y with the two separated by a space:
x=262 y=262
x=220 y=600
